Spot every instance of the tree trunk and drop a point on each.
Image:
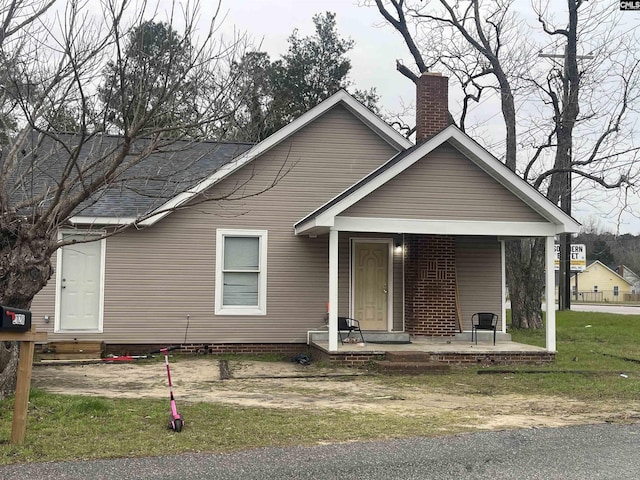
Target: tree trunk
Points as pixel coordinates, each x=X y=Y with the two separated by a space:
x=8 y=368
x=25 y=268
x=525 y=278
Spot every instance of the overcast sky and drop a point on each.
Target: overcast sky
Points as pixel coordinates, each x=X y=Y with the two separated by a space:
x=270 y=22
x=377 y=46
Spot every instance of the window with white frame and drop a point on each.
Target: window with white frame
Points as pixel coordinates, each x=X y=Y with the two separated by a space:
x=241 y=272
x=616 y=291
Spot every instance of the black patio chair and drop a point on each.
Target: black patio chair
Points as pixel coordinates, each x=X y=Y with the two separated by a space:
x=346 y=324
x=483 y=321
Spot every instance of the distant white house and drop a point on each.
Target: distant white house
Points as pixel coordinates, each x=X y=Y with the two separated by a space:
x=630 y=276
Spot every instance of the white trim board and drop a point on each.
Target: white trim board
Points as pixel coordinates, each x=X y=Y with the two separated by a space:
x=444 y=227
x=101 y=221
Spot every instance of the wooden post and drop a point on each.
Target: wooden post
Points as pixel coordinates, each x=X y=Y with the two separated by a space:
x=25 y=364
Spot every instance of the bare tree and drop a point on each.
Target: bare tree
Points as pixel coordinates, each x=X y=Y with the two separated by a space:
x=545 y=107
x=53 y=58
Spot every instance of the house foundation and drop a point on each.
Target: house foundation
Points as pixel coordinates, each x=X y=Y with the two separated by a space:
x=437 y=351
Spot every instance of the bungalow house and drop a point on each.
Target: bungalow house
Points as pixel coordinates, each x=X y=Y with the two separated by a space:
x=335 y=211
x=599 y=283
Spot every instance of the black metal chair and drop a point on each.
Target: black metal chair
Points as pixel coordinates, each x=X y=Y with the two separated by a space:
x=483 y=321
x=346 y=324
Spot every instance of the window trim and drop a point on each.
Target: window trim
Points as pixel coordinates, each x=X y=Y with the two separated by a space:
x=261 y=308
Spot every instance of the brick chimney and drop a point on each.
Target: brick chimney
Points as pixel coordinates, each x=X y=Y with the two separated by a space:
x=432 y=105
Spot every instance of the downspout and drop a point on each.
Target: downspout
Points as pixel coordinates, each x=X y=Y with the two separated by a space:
x=550 y=327
x=333 y=290
x=404 y=326
x=503 y=303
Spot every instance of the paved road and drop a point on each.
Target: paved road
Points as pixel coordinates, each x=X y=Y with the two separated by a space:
x=585 y=452
x=621 y=309
x=606 y=308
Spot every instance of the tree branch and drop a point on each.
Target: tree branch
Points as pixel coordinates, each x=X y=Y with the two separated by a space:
x=400 y=24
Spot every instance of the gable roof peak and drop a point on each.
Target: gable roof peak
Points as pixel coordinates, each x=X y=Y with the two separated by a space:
x=341 y=97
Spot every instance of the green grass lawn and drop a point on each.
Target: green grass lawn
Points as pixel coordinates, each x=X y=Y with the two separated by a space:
x=593 y=350
x=62 y=427
x=591 y=340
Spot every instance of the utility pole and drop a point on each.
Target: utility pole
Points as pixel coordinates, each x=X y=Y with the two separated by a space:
x=570 y=82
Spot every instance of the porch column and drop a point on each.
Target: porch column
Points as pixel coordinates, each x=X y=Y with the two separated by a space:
x=503 y=274
x=333 y=290
x=550 y=294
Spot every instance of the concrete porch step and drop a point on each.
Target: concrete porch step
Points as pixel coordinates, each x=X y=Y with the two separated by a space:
x=408 y=356
x=410 y=363
x=410 y=368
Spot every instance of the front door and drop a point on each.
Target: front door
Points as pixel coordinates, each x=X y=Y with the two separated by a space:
x=371 y=287
x=80 y=286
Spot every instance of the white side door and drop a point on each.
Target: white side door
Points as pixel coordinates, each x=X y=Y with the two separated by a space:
x=80 y=285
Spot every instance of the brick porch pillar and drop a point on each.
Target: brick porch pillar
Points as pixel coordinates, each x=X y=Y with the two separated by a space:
x=430 y=276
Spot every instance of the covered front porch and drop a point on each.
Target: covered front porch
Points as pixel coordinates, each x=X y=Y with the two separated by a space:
x=418 y=246
x=424 y=288
x=455 y=350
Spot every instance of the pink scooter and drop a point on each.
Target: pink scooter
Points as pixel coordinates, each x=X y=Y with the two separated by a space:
x=176 y=422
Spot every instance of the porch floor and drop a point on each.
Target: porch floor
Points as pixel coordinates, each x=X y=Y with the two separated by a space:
x=449 y=350
x=435 y=345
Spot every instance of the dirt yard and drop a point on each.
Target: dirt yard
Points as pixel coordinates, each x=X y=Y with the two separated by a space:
x=290 y=385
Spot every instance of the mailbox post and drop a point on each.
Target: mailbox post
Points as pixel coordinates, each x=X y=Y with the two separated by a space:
x=15 y=325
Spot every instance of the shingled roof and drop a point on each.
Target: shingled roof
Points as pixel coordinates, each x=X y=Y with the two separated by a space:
x=169 y=178
x=169 y=170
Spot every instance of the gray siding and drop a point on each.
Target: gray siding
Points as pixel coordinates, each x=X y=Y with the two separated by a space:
x=158 y=276
x=479 y=277
x=444 y=185
x=44 y=304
